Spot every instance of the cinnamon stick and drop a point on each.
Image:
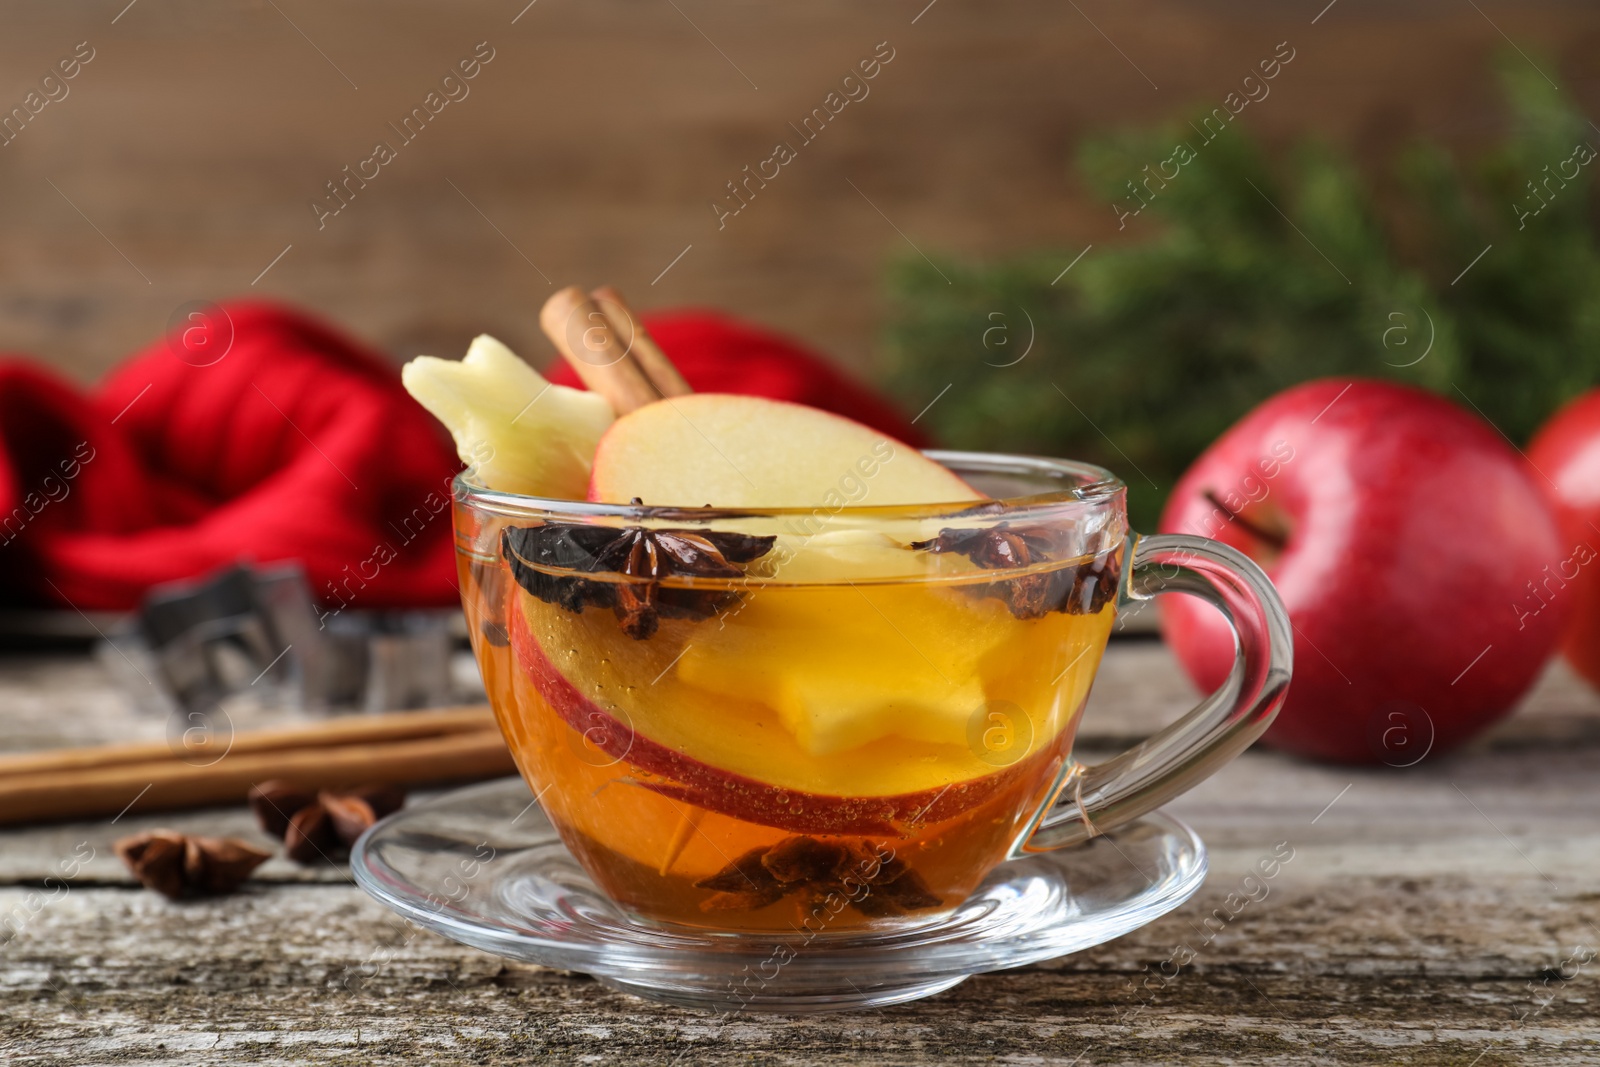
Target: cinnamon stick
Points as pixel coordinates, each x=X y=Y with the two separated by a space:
x=590 y=343
x=170 y=784
x=654 y=362
x=341 y=730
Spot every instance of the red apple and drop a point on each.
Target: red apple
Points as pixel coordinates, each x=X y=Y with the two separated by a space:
x=1403 y=533
x=1566 y=453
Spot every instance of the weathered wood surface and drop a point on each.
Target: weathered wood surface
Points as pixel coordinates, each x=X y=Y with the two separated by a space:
x=1438 y=914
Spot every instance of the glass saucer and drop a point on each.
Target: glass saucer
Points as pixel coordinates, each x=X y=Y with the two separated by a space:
x=483 y=866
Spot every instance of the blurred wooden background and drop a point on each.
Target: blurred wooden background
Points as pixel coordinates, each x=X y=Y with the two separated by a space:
x=185 y=156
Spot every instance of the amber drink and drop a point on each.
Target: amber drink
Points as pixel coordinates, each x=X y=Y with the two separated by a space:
x=757 y=723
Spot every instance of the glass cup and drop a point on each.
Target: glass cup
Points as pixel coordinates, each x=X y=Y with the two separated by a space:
x=843 y=715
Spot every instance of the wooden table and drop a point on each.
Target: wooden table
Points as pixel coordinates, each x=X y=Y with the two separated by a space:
x=1446 y=913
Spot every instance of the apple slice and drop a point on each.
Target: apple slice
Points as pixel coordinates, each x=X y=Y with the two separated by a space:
x=800 y=654
x=746 y=451
x=515 y=430
x=741 y=451
x=742 y=765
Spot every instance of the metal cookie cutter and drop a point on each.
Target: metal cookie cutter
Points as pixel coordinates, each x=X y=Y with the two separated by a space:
x=256 y=631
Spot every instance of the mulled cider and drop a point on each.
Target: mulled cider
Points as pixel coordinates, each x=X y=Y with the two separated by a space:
x=769 y=732
x=767 y=668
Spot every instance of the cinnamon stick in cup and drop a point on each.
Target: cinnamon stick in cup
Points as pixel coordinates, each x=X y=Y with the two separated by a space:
x=612 y=353
x=589 y=342
x=644 y=350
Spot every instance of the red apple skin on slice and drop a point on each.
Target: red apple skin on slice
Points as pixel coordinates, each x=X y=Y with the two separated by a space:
x=737 y=795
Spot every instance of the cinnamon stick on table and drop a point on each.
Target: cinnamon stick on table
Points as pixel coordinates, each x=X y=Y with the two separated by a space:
x=406 y=748
x=339 y=730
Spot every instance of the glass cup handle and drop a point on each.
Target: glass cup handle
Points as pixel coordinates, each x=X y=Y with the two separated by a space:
x=1093 y=798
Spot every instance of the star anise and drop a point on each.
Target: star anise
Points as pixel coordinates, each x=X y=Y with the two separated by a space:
x=180 y=865
x=320 y=824
x=1080 y=590
x=547 y=560
x=874 y=882
x=490 y=581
